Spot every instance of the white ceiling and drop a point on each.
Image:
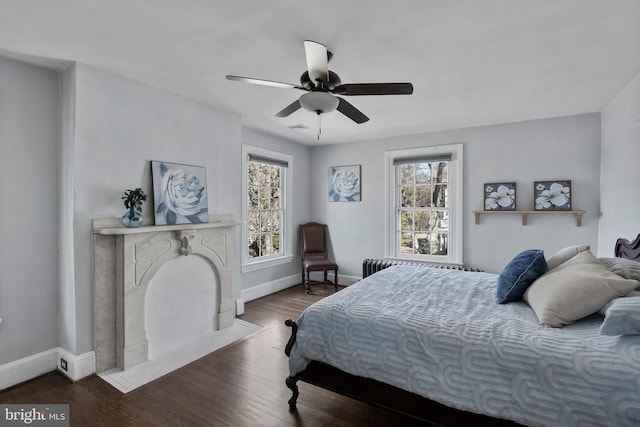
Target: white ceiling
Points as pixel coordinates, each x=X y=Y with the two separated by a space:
x=472 y=62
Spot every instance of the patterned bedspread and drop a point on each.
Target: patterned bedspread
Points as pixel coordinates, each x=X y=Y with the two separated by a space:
x=440 y=334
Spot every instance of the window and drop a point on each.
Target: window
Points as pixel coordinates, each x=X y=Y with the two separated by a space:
x=424 y=196
x=266 y=208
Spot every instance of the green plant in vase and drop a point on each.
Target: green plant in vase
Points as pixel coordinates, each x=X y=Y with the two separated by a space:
x=133 y=202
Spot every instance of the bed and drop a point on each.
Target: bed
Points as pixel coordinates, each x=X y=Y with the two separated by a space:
x=440 y=349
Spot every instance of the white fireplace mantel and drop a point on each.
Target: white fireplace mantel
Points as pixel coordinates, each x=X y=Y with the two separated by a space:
x=125 y=260
x=111 y=226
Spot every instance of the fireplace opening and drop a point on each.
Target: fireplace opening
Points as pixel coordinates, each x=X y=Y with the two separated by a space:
x=181 y=304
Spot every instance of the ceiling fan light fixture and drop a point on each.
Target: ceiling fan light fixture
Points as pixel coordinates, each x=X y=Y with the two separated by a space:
x=323 y=87
x=319 y=102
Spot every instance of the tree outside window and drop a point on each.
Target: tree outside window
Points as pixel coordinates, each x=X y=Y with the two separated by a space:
x=423 y=208
x=425 y=204
x=265 y=209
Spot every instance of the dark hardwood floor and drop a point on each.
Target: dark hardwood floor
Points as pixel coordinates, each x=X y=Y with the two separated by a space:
x=239 y=385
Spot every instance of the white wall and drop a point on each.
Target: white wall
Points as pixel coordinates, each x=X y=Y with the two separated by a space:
x=560 y=148
x=120 y=126
x=66 y=195
x=71 y=143
x=28 y=210
x=620 y=173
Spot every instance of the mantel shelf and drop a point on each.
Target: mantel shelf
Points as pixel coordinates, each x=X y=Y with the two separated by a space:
x=524 y=214
x=112 y=226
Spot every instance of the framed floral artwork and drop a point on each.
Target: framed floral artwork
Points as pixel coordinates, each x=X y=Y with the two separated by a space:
x=344 y=183
x=500 y=196
x=179 y=192
x=552 y=195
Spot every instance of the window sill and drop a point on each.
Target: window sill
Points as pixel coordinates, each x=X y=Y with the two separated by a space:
x=266 y=263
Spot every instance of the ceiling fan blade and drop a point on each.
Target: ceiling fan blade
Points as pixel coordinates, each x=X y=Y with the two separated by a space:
x=317 y=60
x=294 y=106
x=264 y=82
x=374 y=89
x=352 y=112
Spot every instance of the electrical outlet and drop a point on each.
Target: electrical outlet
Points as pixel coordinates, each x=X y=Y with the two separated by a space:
x=63 y=364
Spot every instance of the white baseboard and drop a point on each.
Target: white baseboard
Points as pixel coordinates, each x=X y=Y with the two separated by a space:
x=24 y=369
x=239 y=306
x=269 y=288
x=33 y=366
x=78 y=367
x=348 y=280
x=274 y=286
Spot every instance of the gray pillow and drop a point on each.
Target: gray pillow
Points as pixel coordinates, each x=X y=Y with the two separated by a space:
x=565 y=254
x=622 y=317
x=623 y=267
x=577 y=288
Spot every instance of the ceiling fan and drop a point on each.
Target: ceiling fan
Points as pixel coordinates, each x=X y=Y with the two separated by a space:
x=322 y=86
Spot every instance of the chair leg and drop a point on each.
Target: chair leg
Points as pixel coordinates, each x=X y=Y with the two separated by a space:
x=305 y=280
x=335 y=280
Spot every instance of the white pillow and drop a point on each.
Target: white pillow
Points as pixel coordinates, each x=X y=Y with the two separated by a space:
x=622 y=317
x=575 y=289
x=563 y=255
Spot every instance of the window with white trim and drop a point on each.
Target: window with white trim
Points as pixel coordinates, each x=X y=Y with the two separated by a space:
x=424 y=196
x=266 y=208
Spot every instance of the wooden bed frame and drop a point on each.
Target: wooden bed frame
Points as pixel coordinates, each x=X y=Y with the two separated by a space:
x=392 y=398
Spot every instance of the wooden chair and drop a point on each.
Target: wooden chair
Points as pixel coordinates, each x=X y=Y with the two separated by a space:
x=313 y=245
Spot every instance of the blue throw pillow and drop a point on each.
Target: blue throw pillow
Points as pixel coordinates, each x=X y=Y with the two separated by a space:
x=519 y=274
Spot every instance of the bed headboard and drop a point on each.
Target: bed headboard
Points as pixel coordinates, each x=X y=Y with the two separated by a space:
x=627 y=249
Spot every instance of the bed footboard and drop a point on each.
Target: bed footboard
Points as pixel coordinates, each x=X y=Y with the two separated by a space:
x=292 y=384
x=292 y=339
x=291 y=381
x=379 y=394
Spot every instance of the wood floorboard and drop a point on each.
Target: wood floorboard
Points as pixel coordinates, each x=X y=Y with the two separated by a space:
x=241 y=384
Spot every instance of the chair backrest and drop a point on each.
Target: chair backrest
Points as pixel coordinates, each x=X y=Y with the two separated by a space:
x=313 y=237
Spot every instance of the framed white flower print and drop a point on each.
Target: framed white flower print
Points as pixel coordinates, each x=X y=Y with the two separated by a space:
x=500 y=196
x=552 y=195
x=344 y=183
x=179 y=193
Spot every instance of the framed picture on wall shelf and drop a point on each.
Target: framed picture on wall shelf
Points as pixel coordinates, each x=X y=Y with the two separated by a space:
x=500 y=196
x=344 y=183
x=552 y=195
x=179 y=193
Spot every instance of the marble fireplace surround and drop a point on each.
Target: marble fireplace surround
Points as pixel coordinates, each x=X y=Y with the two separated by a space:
x=125 y=260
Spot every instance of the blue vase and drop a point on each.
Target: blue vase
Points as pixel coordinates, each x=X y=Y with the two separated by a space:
x=132 y=218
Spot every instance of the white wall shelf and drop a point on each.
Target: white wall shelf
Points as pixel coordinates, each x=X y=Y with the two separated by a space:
x=524 y=214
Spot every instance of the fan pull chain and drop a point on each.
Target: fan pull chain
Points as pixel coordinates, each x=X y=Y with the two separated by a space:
x=319 y=126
